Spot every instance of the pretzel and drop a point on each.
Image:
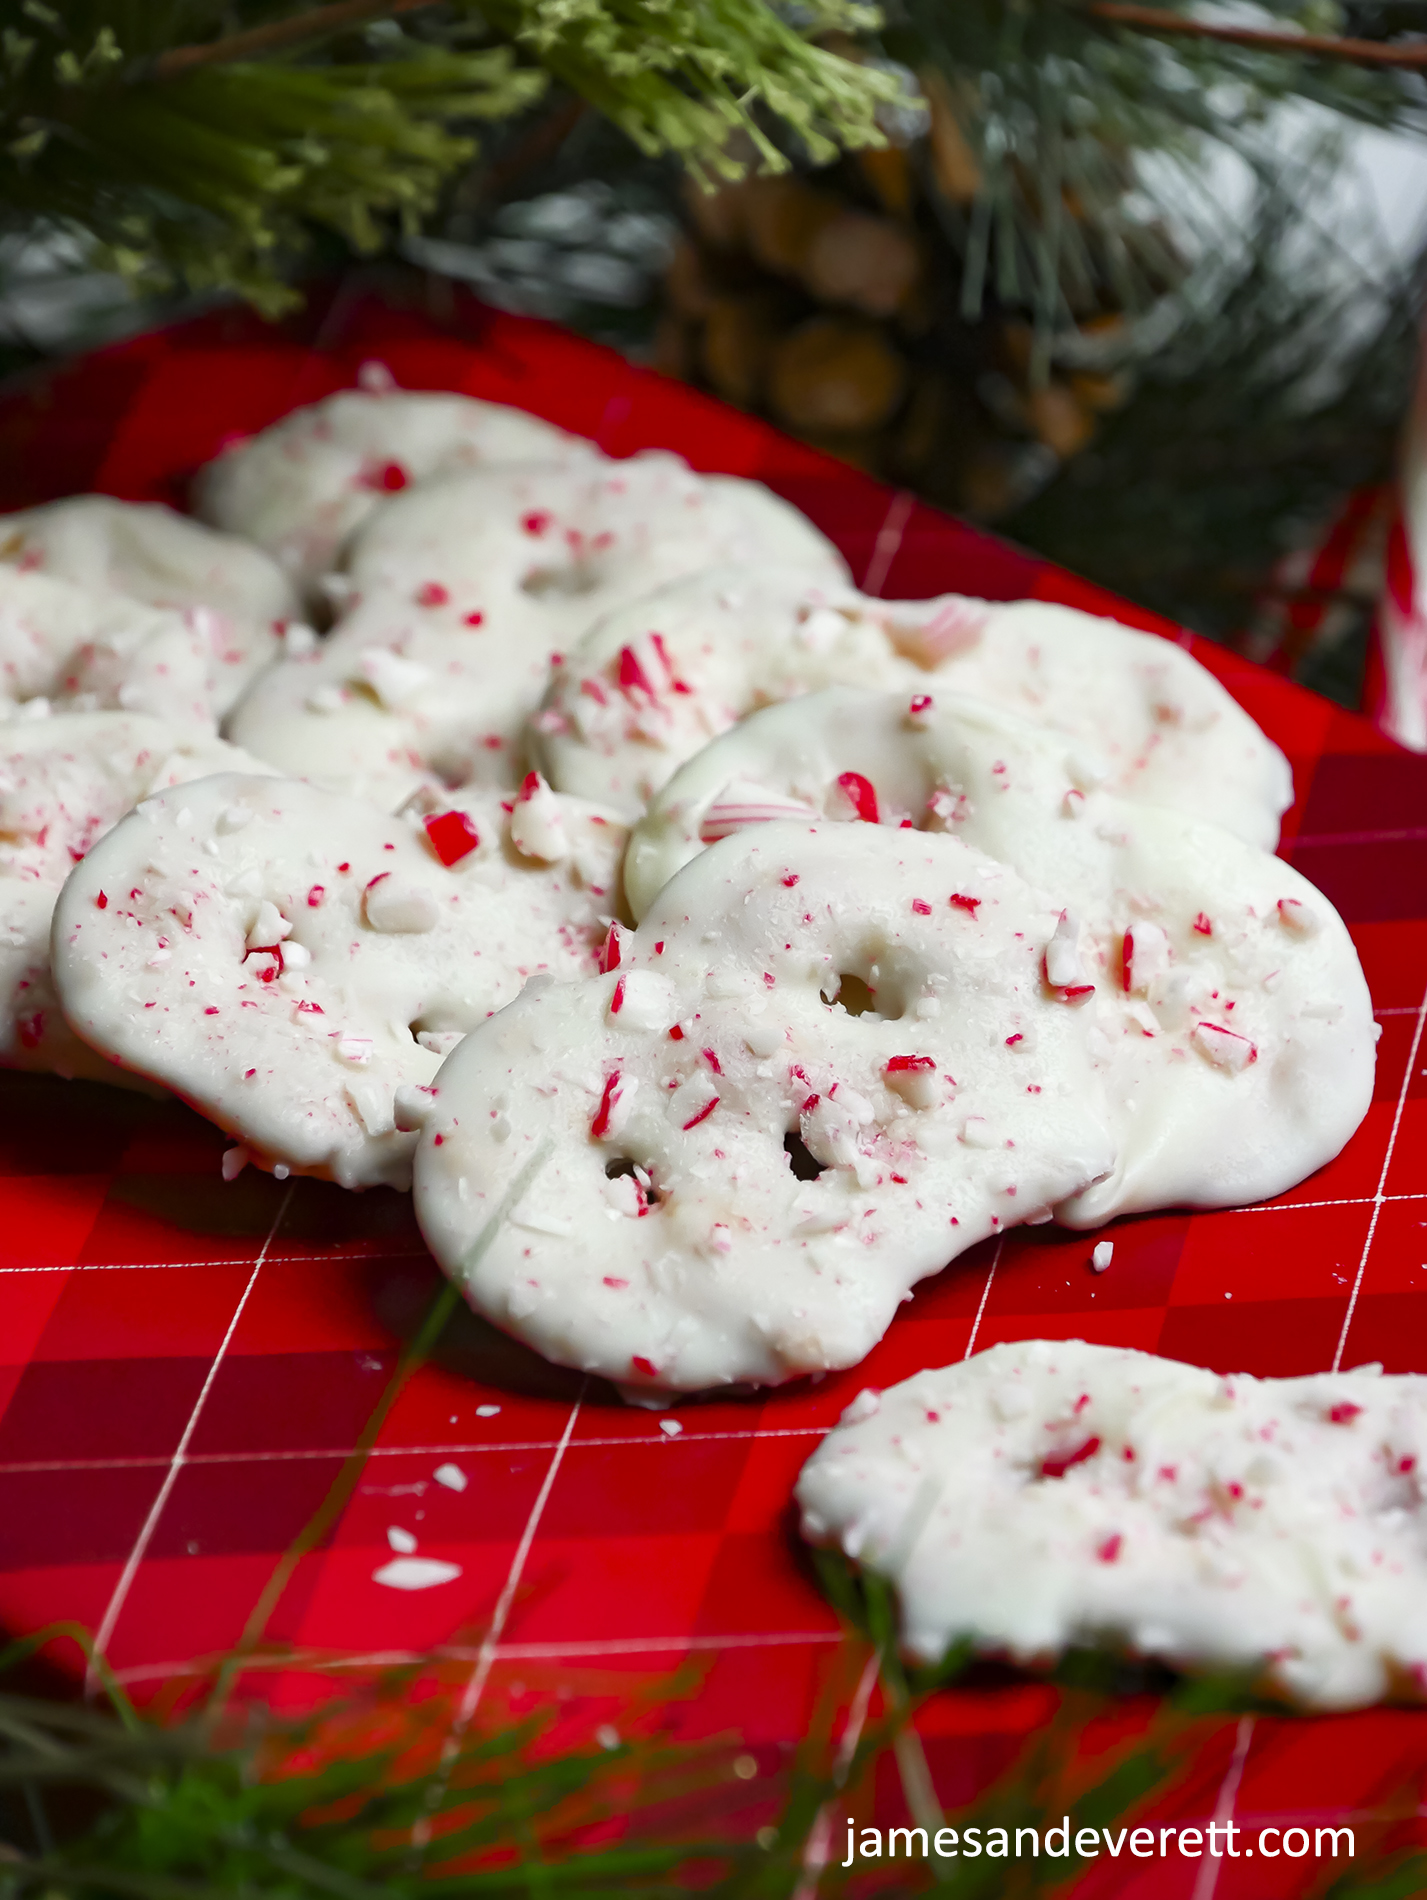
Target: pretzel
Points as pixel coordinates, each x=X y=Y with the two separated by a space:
x=296 y=964
x=237 y=601
x=300 y=487
x=655 y=681
x=63 y=782
x=1043 y=1495
x=463 y=593
x=64 y=647
x=1230 y=1022
x=747 y=1177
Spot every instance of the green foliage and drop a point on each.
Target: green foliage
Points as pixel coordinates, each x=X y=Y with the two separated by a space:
x=1057 y=108
x=1250 y=422
x=216 y=176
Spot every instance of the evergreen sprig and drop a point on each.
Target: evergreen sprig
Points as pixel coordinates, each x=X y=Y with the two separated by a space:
x=1059 y=109
x=216 y=174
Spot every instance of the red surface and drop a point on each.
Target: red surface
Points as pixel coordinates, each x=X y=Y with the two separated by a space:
x=183 y=1363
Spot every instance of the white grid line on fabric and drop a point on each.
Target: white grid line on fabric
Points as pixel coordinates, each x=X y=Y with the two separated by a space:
x=500 y=1616
x=114 y=1608
x=1207 y=1879
x=469 y=1449
x=1259 y=1207
x=888 y=542
x=1381 y=1197
x=337 y=1257
x=985 y=1295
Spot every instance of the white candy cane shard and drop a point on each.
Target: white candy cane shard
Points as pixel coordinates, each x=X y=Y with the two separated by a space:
x=233 y=599
x=300 y=488
x=749 y=1175
x=467 y=589
x=319 y=959
x=1048 y=1494
x=651 y=684
x=1235 y=1050
x=63 y=782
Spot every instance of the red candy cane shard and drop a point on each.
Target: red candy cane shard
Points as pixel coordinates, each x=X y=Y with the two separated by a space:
x=101 y=902
x=1060 y=1462
x=616 y=1002
x=1203 y=926
x=921 y=907
x=432 y=594
x=702 y=1116
x=1225 y=1048
x=536 y=522
x=646 y=1366
x=1344 y=1413
x=631 y=675
x=960 y=901
x=451 y=836
x=599 y=1127
x=611 y=950
x=860 y=795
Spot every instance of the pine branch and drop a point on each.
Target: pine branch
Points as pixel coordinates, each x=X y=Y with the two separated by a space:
x=1408 y=58
x=279 y=35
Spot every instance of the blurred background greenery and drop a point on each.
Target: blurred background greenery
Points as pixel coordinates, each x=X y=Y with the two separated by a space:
x=1130 y=290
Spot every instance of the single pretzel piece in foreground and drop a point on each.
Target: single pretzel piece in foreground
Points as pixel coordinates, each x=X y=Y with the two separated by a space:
x=748 y=1176
x=232 y=595
x=296 y=964
x=1048 y=1494
x=1229 y=1020
x=64 y=781
x=465 y=590
x=657 y=680
x=301 y=487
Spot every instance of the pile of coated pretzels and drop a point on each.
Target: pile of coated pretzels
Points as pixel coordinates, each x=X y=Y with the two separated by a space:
x=717 y=952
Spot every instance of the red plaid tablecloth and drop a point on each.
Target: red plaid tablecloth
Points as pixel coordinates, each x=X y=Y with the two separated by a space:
x=183 y=1364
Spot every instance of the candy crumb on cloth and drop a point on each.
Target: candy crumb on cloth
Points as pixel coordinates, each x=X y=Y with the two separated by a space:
x=789 y=1096
x=296 y=965
x=1048 y=1494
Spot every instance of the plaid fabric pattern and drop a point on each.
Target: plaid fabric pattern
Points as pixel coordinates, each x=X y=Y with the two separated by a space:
x=184 y=1364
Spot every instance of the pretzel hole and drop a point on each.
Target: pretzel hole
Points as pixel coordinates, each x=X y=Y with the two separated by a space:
x=566 y=582
x=853 y=994
x=624 y=1165
x=805 y=1165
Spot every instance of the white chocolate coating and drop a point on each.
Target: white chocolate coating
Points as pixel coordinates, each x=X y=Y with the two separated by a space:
x=234 y=596
x=296 y=964
x=301 y=487
x=64 y=782
x=464 y=591
x=1042 y=1495
x=712 y=1041
x=70 y=648
x=1229 y=1021
x=627 y=710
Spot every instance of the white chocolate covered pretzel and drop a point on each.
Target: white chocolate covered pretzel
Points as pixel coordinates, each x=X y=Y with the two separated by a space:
x=464 y=591
x=1043 y=1495
x=657 y=680
x=296 y=964
x=72 y=648
x=235 y=599
x=1229 y=1021
x=747 y=1177
x=64 y=781
x=299 y=488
